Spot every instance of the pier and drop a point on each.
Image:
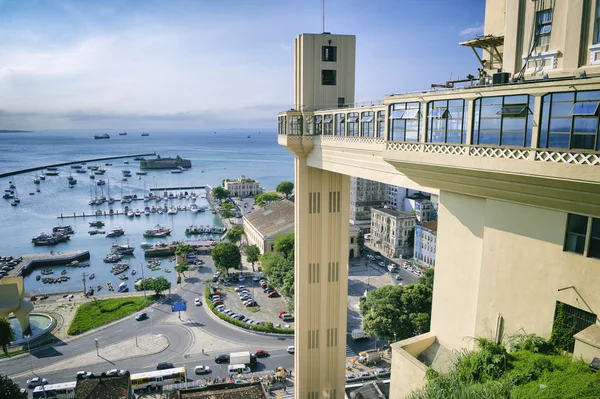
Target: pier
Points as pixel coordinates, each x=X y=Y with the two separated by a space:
x=21 y=171
x=32 y=261
x=178 y=188
x=90 y=215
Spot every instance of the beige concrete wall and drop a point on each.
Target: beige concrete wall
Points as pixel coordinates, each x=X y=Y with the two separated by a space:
x=253 y=236
x=457 y=273
x=494 y=17
x=585 y=352
x=408 y=374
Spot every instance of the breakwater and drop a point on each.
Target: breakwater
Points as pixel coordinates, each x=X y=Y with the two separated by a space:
x=177 y=188
x=30 y=262
x=33 y=169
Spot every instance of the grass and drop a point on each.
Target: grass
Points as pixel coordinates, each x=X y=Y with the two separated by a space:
x=253 y=309
x=99 y=312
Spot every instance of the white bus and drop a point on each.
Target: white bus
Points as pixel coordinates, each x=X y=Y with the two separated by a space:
x=65 y=390
x=158 y=378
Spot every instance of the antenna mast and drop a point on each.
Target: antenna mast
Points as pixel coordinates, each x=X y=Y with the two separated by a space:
x=323 y=16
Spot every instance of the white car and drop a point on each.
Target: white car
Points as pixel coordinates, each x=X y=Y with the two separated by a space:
x=201 y=370
x=290 y=349
x=256 y=278
x=398 y=277
x=197 y=302
x=83 y=375
x=36 y=382
x=241 y=278
x=115 y=372
x=382 y=372
x=352 y=377
x=240 y=288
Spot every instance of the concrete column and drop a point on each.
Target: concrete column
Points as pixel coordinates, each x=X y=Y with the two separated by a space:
x=321 y=272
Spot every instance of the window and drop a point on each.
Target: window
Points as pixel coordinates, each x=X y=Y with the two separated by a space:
x=309 y=124
x=281 y=128
x=570 y=120
x=405 y=122
x=329 y=53
x=328 y=122
x=318 y=125
x=571 y=319
x=367 y=127
x=447 y=121
x=594 y=248
x=340 y=124
x=380 y=123
x=341 y=102
x=543 y=27
x=576 y=232
x=328 y=77
x=296 y=125
x=597 y=29
x=353 y=124
x=503 y=121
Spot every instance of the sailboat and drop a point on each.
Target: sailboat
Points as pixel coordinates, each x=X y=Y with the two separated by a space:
x=111 y=200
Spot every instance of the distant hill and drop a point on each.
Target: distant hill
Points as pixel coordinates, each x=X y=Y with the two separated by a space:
x=15 y=131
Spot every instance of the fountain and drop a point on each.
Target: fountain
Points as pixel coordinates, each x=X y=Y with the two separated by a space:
x=39 y=324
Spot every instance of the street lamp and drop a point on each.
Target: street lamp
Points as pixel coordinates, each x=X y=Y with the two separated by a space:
x=31 y=365
x=97 y=349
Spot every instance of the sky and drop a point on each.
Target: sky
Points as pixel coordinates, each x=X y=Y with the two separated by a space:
x=209 y=64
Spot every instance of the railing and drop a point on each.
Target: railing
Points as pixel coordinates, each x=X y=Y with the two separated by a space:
x=346 y=106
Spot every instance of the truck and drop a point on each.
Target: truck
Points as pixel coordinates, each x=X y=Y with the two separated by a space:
x=358 y=334
x=370 y=356
x=242 y=358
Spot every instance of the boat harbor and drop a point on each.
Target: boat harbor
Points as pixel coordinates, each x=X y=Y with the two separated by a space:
x=178 y=188
x=32 y=261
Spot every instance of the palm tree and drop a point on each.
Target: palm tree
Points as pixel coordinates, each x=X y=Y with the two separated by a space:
x=183 y=250
x=181 y=268
x=7 y=335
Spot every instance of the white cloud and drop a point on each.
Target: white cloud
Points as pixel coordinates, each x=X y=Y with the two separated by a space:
x=473 y=31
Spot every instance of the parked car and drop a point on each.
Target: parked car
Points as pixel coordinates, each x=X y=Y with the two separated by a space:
x=201 y=369
x=141 y=316
x=240 y=317
x=240 y=288
x=398 y=277
x=367 y=375
x=261 y=353
x=164 y=366
x=382 y=372
x=250 y=304
x=290 y=349
x=273 y=294
x=352 y=377
x=267 y=290
x=36 y=382
x=377 y=257
x=215 y=278
x=222 y=358
x=287 y=317
x=256 y=278
x=218 y=302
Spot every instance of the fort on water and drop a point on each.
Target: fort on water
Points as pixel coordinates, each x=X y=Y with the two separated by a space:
x=165 y=163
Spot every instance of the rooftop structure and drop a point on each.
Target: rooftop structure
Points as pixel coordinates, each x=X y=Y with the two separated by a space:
x=103 y=387
x=514 y=158
x=263 y=226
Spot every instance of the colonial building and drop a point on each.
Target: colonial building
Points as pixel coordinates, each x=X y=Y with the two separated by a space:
x=263 y=226
x=392 y=232
x=364 y=195
x=425 y=237
x=242 y=187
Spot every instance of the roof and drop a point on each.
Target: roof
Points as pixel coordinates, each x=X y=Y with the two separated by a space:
x=273 y=218
x=225 y=391
x=590 y=335
x=371 y=390
x=431 y=225
x=393 y=213
x=98 y=387
x=484 y=41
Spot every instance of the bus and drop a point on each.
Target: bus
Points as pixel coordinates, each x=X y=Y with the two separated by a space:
x=158 y=378
x=65 y=390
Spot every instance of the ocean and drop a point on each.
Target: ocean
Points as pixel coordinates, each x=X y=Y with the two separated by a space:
x=215 y=155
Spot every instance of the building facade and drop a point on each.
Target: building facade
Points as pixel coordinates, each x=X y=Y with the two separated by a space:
x=265 y=225
x=364 y=195
x=242 y=187
x=514 y=156
x=425 y=238
x=397 y=198
x=392 y=232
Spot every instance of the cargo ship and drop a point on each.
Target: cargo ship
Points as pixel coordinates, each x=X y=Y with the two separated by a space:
x=101 y=136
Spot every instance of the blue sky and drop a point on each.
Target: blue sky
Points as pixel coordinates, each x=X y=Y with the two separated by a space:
x=167 y=64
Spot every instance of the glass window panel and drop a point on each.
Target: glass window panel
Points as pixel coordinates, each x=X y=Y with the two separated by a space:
x=489 y=138
x=416 y=105
x=583 y=141
x=437 y=136
x=410 y=114
x=561 y=108
x=545 y=29
x=454 y=124
x=522 y=99
x=545 y=122
x=594 y=249
x=529 y=132
x=560 y=125
x=352 y=119
x=340 y=117
x=380 y=116
x=587 y=108
x=515 y=110
x=318 y=119
x=396 y=114
x=585 y=125
x=567 y=96
x=491 y=100
x=454 y=137
x=399 y=106
x=328 y=118
x=490 y=111
x=367 y=119
x=558 y=140
x=455 y=112
x=544 y=17
x=588 y=95
x=513 y=124
x=455 y=103
x=411 y=135
x=576 y=232
x=439 y=113
x=489 y=124
x=513 y=139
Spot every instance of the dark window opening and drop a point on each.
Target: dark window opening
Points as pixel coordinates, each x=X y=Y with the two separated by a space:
x=568 y=321
x=594 y=248
x=341 y=101
x=329 y=53
x=328 y=77
x=576 y=232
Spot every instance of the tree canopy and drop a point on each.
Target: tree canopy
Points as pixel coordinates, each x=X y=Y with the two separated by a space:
x=276 y=267
x=285 y=187
x=264 y=198
x=220 y=193
x=285 y=245
x=397 y=312
x=183 y=250
x=156 y=284
x=9 y=389
x=7 y=335
x=181 y=268
x=235 y=233
x=226 y=255
x=252 y=254
x=427 y=278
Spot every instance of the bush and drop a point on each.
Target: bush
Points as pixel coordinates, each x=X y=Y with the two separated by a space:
x=267 y=327
x=99 y=312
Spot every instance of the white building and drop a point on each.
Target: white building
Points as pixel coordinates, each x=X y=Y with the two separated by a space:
x=425 y=239
x=391 y=232
x=364 y=195
x=242 y=187
x=397 y=196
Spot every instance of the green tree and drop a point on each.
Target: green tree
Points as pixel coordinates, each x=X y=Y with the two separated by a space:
x=265 y=198
x=7 y=335
x=360 y=241
x=285 y=187
x=285 y=244
x=226 y=255
x=9 y=389
x=181 y=268
x=397 y=312
x=235 y=233
x=160 y=284
x=220 y=193
x=276 y=267
x=252 y=254
x=183 y=250
x=427 y=278
x=288 y=283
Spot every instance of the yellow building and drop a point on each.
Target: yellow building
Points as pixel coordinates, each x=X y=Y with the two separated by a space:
x=242 y=187
x=514 y=156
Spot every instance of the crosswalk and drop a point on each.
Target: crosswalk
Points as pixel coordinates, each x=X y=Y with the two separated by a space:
x=289 y=395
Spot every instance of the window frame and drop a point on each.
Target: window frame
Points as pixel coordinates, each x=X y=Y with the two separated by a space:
x=353 y=124
x=340 y=124
x=328 y=80
x=325 y=57
x=545 y=26
x=403 y=115
x=328 y=125
x=438 y=113
x=367 y=126
x=488 y=111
